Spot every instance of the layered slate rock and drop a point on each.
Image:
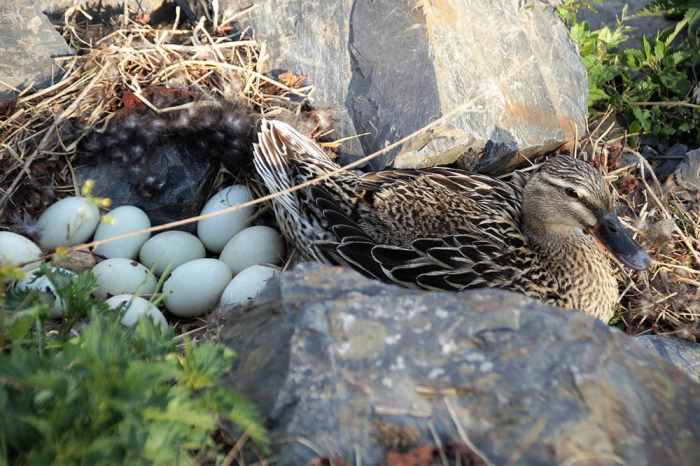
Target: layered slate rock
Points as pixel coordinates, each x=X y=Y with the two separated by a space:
x=504 y=71
x=362 y=372
x=29 y=46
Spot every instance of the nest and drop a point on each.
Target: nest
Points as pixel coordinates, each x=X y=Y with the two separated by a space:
x=39 y=141
x=119 y=66
x=40 y=131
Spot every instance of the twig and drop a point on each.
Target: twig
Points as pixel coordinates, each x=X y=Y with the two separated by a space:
x=667 y=104
x=463 y=434
x=228 y=461
x=125 y=18
x=438 y=443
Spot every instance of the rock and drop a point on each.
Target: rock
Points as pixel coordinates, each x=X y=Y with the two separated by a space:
x=28 y=47
x=504 y=71
x=685 y=181
x=105 y=8
x=105 y=15
x=608 y=12
x=172 y=184
x=670 y=161
x=681 y=353
x=357 y=368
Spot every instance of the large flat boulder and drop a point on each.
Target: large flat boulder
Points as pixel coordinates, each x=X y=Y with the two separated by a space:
x=361 y=372
x=504 y=71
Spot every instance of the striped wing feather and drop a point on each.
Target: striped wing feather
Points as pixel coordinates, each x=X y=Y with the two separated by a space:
x=488 y=249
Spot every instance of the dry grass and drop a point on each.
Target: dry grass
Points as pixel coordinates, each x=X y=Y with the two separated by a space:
x=665 y=299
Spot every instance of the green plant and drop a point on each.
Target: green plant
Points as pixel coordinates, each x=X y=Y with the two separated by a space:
x=110 y=395
x=567 y=9
x=650 y=87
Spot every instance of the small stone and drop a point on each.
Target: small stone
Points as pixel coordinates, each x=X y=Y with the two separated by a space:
x=673 y=157
x=76 y=261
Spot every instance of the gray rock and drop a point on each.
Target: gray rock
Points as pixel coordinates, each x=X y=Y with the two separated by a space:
x=685 y=181
x=108 y=7
x=670 y=161
x=348 y=368
x=681 y=353
x=608 y=13
x=29 y=46
x=505 y=71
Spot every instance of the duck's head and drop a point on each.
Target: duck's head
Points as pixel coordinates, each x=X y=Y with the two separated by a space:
x=568 y=197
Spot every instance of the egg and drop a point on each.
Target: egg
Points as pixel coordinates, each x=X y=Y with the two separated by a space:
x=123 y=276
x=117 y=222
x=216 y=231
x=194 y=288
x=44 y=285
x=252 y=246
x=247 y=285
x=68 y=222
x=171 y=248
x=136 y=309
x=16 y=249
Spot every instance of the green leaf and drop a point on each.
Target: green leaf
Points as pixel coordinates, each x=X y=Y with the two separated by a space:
x=597 y=95
x=659 y=50
x=646 y=47
x=643 y=117
x=20 y=323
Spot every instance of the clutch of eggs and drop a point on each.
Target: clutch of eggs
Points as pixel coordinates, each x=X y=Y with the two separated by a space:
x=194 y=284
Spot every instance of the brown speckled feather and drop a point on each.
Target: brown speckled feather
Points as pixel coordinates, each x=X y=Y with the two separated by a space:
x=438 y=228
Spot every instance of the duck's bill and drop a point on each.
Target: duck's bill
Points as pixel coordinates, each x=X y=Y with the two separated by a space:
x=619 y=242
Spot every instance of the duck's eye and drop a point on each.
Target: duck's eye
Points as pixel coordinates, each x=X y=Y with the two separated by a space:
x=571 y=192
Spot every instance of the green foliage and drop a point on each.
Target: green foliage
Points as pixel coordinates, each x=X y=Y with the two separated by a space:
x=649 y=86
x=110 y=395
x=567 y=9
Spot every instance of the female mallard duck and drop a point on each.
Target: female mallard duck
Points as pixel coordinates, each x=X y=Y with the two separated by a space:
x=547 y=236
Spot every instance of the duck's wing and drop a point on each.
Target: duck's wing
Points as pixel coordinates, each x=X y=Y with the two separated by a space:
x=397 y=206
x=477 y=241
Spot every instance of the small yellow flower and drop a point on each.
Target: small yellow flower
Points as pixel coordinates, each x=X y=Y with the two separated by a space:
x=87 y=188
x=11 y=273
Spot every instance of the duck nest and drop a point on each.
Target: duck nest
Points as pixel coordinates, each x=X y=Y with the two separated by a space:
x=121 y=66
x=131 y=63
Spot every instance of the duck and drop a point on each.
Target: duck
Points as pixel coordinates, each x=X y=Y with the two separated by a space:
x=551 y=234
